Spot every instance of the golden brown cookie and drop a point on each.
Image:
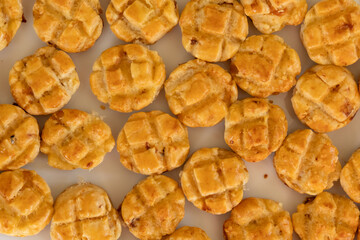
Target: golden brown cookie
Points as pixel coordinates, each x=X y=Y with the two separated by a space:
x=26 y=204
x=75 y=139
x=326 y=98
x=326 y=217
x=153 y=208
x=153 y=142
x=19 y=137
x=11 y=12
x=254 y=128
x=272 y=16
x=199 y=93
x=128 y=77
x=84 y=211
x=350 y=177
x=188 y=233
x=147 y=21
x=256 y=218
x=44 y=82
x=213 y=180
x=307 y=162
x=212 y=30
x=331 y=32
x=265 y=65
x=71 y=25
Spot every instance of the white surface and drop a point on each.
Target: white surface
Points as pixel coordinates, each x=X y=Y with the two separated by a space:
x=117 y=180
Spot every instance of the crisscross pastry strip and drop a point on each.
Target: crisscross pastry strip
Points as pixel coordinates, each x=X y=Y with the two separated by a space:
x=11 y=12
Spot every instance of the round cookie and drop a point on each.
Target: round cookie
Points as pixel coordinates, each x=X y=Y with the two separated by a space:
x=128 y=77
x=71 y=25
x=272 y=16
x=147 y=21
x=188 y=233
x=212 y=30
x=350 y=177
x=75 y=139
x=84 y=211
x=11 y=16
x=199 y=93
x=153 y=142
x=326 y=98
x=44 y=82
x=256 y=218
x=153 y=208
x=19 y=137
x=307 y=162
x=265 y=65
x=326 y=217
x=331 y=32
x=26 y=203
x=213 y=180
x=254 y=128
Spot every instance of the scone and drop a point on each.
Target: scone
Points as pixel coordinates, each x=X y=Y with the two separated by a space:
x=147 y=21
x=213 y=180
x=19 y=137
x=84 y=211
x=272 y=16
x=128 y=77
x=26 y=204
x=75 y=139
x=153 y=208
x=350 y=177
x=212 y=30
x=265 y=65
x=71 y=25
x=326 y=98
x=307 y=162
x=199 y=93
x=188 y=233
x=331 y=32
x=254 y=128
x=44 y=82
x=256 y=218
x=326 y=217
x=153 y=142
x=10 y=18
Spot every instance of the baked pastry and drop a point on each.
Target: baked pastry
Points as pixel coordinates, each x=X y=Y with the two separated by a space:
x=199 y=93
x=153 y=208
x=349 y=177
x=212 y=30
x=307 y=162
x=10 y=18
x=256 y=218
x=254 y=128
x=84 y=211
x=147 y=21
x=26 y=203
x=213 y=180
x=44 y=82
x=331 y=32
x=188 y=233
x=128 y=77
x=71 y=25
x=75 y=139
x=265 y=65
x=326 y=98
x=153 y=142
x=272 y=16
x=326 y=217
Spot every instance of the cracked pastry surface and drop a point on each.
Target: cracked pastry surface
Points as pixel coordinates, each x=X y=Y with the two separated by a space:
x=349 y=177
x=11 y=12
x=188 y=233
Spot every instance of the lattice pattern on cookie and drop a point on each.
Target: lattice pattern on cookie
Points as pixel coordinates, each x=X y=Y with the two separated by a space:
x=331 y=32
x=84 y=211
x=212 y=30
x=71 y=25
x=256 y=218
x=75 y=139
x=26 y=204
x=188 y=233
x=326 y=98
x=254 y=128
x=350 y=177
x=128 y=77
x=213 y=180
x=327 y=216
x=11 y=12
x=143 y=20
